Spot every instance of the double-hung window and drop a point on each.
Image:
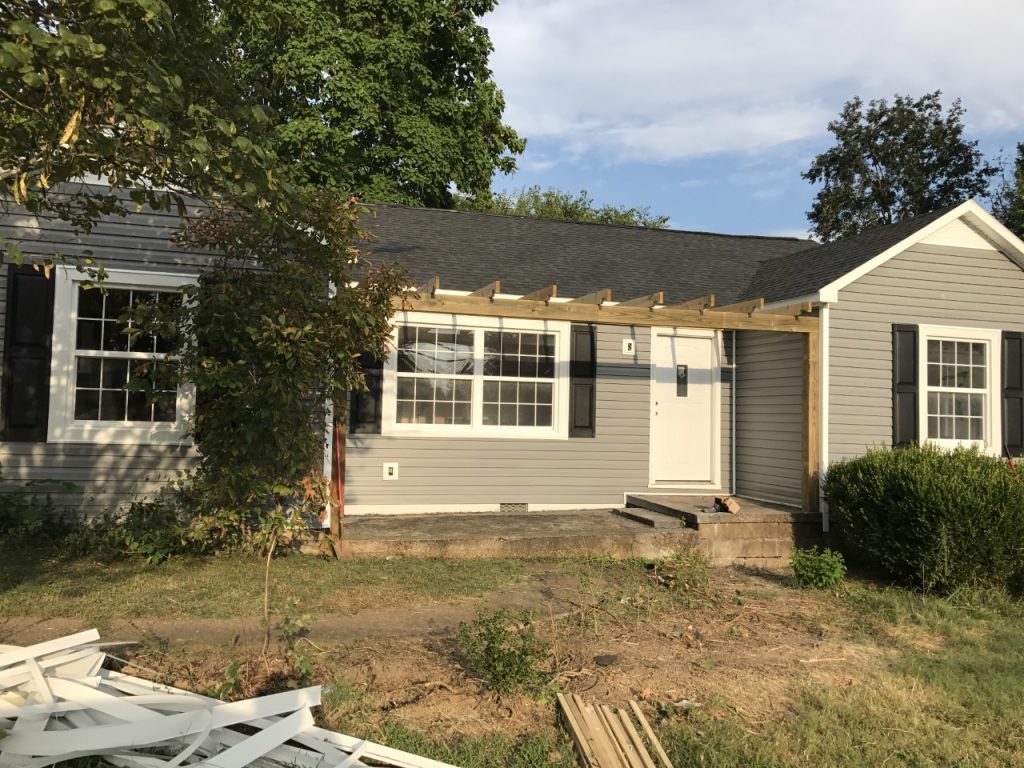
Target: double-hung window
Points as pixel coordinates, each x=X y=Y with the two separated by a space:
x=475 y=376
x=960 y=371
x=102 y=367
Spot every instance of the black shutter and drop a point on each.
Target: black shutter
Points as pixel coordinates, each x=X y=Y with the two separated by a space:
x=1013 y=393
x=904 y=385
x=582 y=381
x=364 y=408
x=26 y=373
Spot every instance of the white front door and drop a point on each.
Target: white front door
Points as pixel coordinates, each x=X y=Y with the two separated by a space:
x=684 y=408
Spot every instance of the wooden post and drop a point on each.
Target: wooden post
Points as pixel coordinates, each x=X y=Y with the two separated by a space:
x=342 y=550
x=811 y=419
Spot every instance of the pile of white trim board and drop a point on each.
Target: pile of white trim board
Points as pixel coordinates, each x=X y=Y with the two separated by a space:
x=57 y=702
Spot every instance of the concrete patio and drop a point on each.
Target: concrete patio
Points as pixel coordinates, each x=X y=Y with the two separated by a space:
x=649 y=526
x=525 y=534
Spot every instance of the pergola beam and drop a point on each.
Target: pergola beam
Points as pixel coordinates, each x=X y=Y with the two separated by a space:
x=597 y=297
x=544 y=294
x=741 y=306
x=488 y=291
x=609 y=314
x=700 y=303
x=650 y=301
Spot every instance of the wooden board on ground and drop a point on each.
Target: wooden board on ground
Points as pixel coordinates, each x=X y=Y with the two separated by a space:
x=607 y=738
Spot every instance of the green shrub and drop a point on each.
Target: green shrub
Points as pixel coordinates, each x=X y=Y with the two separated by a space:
x=817 y=568
x=503 y=649
x=932 y=518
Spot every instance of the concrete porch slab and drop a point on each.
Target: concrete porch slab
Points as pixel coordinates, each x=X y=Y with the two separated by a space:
x=527 y=534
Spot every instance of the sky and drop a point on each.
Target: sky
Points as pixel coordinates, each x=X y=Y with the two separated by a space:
x=708 y=111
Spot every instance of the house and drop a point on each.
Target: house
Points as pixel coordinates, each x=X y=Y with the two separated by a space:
x=553 y=365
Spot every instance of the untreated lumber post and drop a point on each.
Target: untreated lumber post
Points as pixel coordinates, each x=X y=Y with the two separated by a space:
x=811 y=419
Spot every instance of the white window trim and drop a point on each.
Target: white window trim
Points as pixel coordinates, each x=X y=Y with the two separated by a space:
x=62 y=427
x=559 y=429
x=993 y=400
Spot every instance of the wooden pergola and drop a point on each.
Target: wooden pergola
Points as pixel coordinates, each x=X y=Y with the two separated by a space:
x=650 y=311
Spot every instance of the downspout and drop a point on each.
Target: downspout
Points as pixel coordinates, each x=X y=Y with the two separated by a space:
x=732 y=416
x=823 y=452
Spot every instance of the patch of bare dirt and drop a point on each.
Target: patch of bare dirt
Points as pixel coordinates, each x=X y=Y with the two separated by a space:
x=743 y=642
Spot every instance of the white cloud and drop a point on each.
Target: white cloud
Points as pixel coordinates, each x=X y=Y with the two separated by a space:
x=665 y=80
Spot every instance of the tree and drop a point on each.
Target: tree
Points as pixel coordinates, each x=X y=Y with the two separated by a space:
x=142 y=95
x=562 y=206
x=136 y=93
x=391 y=101
x=1008 y=198
x=893 y=161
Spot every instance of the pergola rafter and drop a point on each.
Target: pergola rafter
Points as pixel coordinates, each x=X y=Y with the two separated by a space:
x=700 y=303
x=544 y=294
x=749 y=307
x=488 y=291
x=597 y=297
x=650 y=301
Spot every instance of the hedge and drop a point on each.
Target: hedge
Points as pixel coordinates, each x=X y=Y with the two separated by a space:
x=933 y=518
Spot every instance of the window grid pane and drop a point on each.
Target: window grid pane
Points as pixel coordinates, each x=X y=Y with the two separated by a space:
x=103 y=381
x=522 y=356
x=423 y=396
x=101 y=394
x=957 y=376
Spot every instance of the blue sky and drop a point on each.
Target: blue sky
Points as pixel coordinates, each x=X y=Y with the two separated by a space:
x=708 y=111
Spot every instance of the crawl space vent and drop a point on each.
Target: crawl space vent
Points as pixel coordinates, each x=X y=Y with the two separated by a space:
x=513 y=507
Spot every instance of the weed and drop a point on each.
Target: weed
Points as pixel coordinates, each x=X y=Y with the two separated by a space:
x=290 y=631
x=817 y=568
x=503 y=649
x=231 y=688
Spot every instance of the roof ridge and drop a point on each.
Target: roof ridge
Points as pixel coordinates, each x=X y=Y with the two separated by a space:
x=629 y=227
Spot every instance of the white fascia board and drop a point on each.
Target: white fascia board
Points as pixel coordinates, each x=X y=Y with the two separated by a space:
x=1011 y=245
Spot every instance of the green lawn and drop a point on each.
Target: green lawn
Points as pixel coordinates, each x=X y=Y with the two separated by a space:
x=955 y=698
x=945 y=685
x=231 y=587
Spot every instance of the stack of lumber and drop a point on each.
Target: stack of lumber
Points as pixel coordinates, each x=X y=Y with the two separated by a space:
x=607 y=738
x=57 y=702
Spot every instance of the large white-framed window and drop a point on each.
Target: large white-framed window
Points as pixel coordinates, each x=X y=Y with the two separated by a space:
x=95 y=359
x=470 y=376
x=959 y=400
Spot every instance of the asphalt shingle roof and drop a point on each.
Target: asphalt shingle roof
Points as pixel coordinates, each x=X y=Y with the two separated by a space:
x=805 y=271
x=468 y=250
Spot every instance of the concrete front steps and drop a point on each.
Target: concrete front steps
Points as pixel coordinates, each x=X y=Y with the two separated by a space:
x=760 y=535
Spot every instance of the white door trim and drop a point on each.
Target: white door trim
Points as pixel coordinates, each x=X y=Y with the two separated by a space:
x=716 y=408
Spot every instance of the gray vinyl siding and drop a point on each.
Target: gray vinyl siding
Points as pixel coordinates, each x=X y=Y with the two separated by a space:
x=769 y=415
x=940 y=285
x=96 y=478
x=487 y=471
